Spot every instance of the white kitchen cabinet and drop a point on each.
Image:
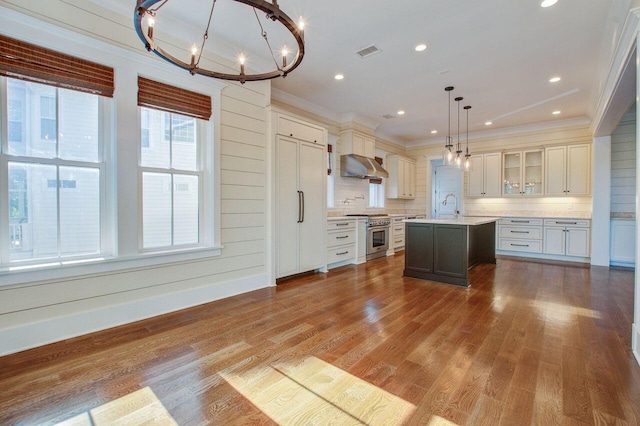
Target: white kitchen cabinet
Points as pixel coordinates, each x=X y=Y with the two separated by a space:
x=523 y=173
x=623 y=242
x=520 y=234
x=568 y=170
x=341 y=242
x=353 y=142
x=401 y=182
x=300 y=204
x=566 y=237
x=484 y=178
x=397 y=234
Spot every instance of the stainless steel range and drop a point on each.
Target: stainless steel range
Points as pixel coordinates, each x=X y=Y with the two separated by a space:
x=378 y=229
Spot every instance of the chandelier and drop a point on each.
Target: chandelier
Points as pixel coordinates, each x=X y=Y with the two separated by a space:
x=145 y=27
x=449 y=156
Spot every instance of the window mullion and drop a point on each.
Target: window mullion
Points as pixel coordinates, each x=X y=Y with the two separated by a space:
x=58 y=211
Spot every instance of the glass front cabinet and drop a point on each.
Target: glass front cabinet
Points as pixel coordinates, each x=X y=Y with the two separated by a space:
x=523 y=173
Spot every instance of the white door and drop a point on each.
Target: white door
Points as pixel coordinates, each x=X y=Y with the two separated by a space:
x=312 y=172
x=447 y=180
x=554 y=241
x=492 y=175
x=578 y=169
x=287 y=206
x=577 y=242
x=555 y=170
x=475 y=177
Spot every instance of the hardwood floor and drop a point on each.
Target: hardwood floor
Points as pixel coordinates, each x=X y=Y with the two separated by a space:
x=528 y=343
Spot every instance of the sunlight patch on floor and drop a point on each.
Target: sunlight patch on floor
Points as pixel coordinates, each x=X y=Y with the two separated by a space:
x=439 y=421
x=315 y=392
x=563 y=313
x=139 y=407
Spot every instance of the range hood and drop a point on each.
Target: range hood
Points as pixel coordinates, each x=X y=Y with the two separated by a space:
x=352 y=165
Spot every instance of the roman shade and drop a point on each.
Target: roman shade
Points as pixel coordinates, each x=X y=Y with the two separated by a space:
x=26 y=61
x=164 y=97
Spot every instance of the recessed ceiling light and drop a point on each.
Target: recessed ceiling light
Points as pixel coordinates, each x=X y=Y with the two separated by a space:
x=554 y=79
x=556 y=112
x=339 y=77
x=433 y=132
x=488 y=123
x=421 y=47
x=400 y=112
x=548 y=3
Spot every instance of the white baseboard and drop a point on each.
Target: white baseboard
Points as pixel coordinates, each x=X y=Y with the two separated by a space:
x=635 y=341
x=41 y=333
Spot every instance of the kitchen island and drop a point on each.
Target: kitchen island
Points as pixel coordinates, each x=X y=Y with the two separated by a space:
x=444 y=250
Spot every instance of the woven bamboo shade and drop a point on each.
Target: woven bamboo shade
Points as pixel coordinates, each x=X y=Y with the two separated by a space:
x=164 y=97
x=27 y=61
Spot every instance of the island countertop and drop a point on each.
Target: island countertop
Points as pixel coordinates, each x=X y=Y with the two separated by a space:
x=461 y=220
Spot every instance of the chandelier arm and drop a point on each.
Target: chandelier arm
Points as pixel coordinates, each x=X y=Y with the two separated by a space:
x=158 y=8
x=205 y=36
x=271 y=9
x=266 y=39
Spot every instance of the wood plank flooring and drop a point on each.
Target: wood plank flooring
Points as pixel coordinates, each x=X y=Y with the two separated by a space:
x=528 y=343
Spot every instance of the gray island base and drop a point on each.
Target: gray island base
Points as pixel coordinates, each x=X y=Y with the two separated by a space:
x=444 y=250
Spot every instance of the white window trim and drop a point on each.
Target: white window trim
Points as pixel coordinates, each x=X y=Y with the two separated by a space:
x=128 y=66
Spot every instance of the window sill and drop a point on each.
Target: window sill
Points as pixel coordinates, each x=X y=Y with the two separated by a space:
x=101 y=266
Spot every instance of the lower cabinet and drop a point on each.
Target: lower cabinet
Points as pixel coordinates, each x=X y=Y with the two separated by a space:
x=550 y=238
x=397 y=234
x=341 y=242
x=566 y=237
x=623 y=243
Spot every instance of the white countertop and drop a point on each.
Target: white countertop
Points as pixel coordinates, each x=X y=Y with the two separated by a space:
x=461 y=220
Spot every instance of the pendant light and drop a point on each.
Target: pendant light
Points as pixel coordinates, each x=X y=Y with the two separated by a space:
x=447 y=153
x=467 y=156
x=458 y=160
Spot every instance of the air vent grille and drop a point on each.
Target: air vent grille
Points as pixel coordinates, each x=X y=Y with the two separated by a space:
x=388 y=116
x=365 y=52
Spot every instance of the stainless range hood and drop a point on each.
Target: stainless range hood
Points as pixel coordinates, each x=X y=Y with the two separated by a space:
x=352 y=165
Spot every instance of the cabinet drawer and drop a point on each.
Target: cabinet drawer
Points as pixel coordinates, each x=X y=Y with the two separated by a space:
x=334 y=225
x=341 y=253
x=574 y=223
x=398 y=242
x=520 y=232
x=289 y=127
x=529 y=246
x=398 y=227
x=340 y=238
x=518 y=221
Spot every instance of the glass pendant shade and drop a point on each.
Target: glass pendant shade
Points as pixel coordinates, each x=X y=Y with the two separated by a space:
x=468 y=165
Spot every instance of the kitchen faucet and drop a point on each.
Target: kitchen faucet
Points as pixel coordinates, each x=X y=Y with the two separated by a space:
x=455 y=208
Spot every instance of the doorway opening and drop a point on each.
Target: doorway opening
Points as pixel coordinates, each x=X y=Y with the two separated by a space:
x=446 y=190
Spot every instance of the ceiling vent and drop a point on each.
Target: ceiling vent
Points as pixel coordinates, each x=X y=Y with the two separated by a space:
x=388 y=116
x=371 y=50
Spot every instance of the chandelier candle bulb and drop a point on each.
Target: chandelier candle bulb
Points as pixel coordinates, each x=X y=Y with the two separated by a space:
x=194 y=51
x=241 y=60
x=151 y=22
x=284 y=58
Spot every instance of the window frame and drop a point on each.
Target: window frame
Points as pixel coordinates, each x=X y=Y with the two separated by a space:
x=104 y=107
x=204 y=151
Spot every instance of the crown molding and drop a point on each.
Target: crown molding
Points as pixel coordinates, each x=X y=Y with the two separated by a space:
x=626 y=43
x=485 y=134
x=303 y=104
x=356 y=118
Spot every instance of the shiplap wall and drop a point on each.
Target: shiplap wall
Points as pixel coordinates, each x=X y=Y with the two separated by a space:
x=55 y=309
x=508 y=142
x=623 y=165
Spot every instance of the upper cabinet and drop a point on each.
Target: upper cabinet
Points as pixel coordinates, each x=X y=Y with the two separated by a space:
x=298 y=129
x=484 y=176
x=568 y=170
x=522 y=173
x=402 y=177
x=354 y=142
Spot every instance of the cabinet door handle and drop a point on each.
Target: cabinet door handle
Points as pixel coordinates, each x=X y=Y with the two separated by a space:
x=566 y=223
x=342 y=224
x=301 y=192
x=520 y=245
x=519 y=232
x=342 y=237
x=299 y=206
x=519 y=221
x=342 y=254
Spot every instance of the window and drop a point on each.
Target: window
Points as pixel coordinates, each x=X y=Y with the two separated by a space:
x=171 y=175
x=376 y=195
x=52 y=157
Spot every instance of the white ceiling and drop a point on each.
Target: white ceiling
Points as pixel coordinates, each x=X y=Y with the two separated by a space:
x=499 y=55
